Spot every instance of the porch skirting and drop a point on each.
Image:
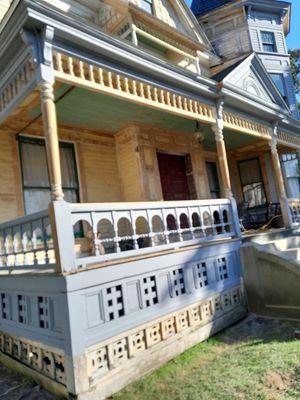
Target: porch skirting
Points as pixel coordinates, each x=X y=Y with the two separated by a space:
x=125 y=358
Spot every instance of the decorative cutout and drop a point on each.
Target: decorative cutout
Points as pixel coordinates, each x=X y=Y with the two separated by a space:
x=33 y=355
x=5 y=306
x=44 y=312
x=177 y=282
x=149 y=291
x=113 y=301
x=222 y=268
x=108 y=356
x=200 y=271
x=23 y=309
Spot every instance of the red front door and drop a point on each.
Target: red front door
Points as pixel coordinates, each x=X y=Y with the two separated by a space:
x=173 y=176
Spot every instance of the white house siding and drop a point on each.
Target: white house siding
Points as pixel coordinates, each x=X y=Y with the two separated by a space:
x=274 y=62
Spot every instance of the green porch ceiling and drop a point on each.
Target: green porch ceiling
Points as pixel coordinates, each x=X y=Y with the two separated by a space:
x=82 y=108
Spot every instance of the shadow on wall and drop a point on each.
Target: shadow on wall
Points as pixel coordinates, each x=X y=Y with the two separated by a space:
x=272 y=276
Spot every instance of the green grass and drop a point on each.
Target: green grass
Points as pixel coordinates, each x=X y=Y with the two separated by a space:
x=255 y=359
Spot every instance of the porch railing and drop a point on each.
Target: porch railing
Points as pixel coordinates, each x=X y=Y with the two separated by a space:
x=85 y=234
x=116 y=230
x=26 y=243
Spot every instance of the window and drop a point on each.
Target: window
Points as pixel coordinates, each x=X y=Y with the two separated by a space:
x=252 y=182
x=291 y=171
x=147 y=5
x=268 y=42
x=36 y=184
x=279 y=83
x=213 y=180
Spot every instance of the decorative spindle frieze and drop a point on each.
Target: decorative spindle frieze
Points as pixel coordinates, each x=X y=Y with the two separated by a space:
x=243 y=124
x=288 y=139
x=77 y=72
x=16 y=83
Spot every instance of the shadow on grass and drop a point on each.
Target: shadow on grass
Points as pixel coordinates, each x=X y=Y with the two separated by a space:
x=255 y=330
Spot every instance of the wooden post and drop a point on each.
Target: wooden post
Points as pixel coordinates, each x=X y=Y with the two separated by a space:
x=51 y=139
x=285 y=209
x=221 y=150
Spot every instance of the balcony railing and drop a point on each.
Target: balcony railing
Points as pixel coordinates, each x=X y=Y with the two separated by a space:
x=89 y=234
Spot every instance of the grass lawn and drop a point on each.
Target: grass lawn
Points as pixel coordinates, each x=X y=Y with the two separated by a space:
x=255 y=359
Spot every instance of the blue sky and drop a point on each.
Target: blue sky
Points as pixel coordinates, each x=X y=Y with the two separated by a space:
x=293 y=39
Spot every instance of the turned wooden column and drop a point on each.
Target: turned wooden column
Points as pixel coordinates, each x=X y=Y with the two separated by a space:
x=285 y=209
x=221 y=150
x=51 y=139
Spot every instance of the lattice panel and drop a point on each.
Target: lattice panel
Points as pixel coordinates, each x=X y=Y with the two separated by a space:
x=201 y=275
x=33 y=355
x=182 y=321
x=149 y=291
x=168 y=327
x=22 y=309
x=113 y=302
x=177 y=282
x=194 y=315
x=99 y=362
x=5 y=306
x=120 y=350
x=153 y=335
x=137 y=342
x=44 y=312
x=222 y=268
x=117 y=352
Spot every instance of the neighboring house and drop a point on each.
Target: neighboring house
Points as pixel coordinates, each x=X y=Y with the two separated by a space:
x=123 y=109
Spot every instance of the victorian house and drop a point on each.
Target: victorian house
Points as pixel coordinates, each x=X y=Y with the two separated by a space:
x=136 y=140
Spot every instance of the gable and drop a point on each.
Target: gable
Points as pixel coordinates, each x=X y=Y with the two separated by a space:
x=177 y=15
x=251 y=76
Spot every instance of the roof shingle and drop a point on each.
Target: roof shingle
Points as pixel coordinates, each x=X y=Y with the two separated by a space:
x=201 y=7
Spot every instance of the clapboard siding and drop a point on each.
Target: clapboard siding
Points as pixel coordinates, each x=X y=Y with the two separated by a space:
x=254 y=34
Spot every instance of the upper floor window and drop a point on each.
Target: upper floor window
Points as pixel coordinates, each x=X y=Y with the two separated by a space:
x=147 y=5
x=268 y=42
x=278 y=79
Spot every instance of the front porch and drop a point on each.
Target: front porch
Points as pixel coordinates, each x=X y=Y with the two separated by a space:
x=124 y=274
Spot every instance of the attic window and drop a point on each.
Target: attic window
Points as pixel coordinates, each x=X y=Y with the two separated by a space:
x=147 y=5
x=268 y=42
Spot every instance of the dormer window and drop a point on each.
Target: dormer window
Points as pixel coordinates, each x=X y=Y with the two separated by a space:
x=147 y=5
x=268 y=42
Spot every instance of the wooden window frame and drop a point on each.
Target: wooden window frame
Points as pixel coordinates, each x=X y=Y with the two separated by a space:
x=41 y=141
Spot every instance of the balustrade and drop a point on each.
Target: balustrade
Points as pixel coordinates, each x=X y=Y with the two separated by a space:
x=27 y=243
x=137 y=228
x=86 y=234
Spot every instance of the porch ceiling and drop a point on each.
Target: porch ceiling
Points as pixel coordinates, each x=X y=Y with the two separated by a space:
x=83 y=109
